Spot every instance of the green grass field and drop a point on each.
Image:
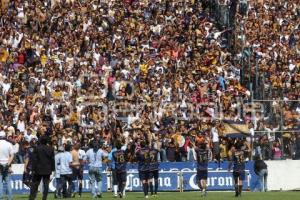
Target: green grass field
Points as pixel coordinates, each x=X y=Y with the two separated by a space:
x=193 y=196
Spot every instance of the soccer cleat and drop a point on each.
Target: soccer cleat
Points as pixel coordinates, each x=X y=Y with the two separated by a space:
x=99 y=195
x=73 y=195
x=120 y=195
x=115 y=195
x=204 y=193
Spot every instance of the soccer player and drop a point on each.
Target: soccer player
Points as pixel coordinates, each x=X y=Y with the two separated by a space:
x=238 y=162
x=202 y=165
x=120 y=161
x=153 y=170
x=142 y=157
x=113 y=172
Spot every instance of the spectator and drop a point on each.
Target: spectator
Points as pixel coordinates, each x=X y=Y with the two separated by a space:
x=70 y=74
x=277 y=152
x=261 y=170
x=58 y=179
x=6 y=159
x=94 y=158
x=65 y=172
x=215 y=141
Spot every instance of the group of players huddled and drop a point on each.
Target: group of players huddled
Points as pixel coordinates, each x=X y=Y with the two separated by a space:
x=148 y=167
x=146 y=157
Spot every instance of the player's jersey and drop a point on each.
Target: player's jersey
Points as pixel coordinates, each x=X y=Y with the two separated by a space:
x=202 y=159
x=238 y=161
x=120 y=160
x=143 y=159
x=153 y=154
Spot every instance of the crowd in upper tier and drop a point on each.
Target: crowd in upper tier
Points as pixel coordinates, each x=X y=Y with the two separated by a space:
x=155 y=70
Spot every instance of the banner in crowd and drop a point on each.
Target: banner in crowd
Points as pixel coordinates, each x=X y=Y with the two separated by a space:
x=233 y=127
x=170 y=179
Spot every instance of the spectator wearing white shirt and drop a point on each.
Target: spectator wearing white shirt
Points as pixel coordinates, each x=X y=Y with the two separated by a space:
x=94 y=158
x=6 y=159
x=215 y=140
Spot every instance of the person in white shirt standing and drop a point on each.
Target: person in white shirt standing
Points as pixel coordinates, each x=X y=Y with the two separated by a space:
x=215 y=140
x=94 y=158
x=6 y=158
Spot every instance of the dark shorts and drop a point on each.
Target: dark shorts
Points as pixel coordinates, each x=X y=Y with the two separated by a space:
x=202 y=175
x=77 y=174
x=153 y=174
x=144 y=175
x=216 y=148
x=114 y=177
x=121 y=177
x=239 y=175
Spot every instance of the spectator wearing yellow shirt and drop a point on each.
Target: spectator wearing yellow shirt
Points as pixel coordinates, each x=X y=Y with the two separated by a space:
x=3 y=55
x=57 y=94
x=44 y=59
x=144 y=68
x=223 y=150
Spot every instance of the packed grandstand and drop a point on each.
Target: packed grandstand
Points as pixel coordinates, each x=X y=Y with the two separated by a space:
x=173 y=73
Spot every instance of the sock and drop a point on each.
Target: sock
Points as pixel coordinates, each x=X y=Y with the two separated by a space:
x=240 y=189
x=115 y=188
x=124 y=190
x=100 y=187
x=151 y=188
x=145 y=188
x=236 y=190
x=121 y=188
x=80 y=188
x=156 y=186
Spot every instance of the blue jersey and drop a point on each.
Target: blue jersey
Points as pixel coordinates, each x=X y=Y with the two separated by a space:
x=202 y=159
x=238 y=161
x=120 y=160
x=153 y=154
x=143 y=159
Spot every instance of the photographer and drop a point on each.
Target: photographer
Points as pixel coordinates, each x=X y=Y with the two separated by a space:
x=6 y=158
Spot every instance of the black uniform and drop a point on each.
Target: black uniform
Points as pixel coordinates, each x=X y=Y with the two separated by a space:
x=153 y=164
x=202 y=164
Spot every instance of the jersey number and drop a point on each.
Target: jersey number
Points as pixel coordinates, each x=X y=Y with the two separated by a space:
x=202 y=158
x=152 y=158
x=120 y=158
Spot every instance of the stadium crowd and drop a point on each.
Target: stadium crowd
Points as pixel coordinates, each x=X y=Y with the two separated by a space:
x=158 y=70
